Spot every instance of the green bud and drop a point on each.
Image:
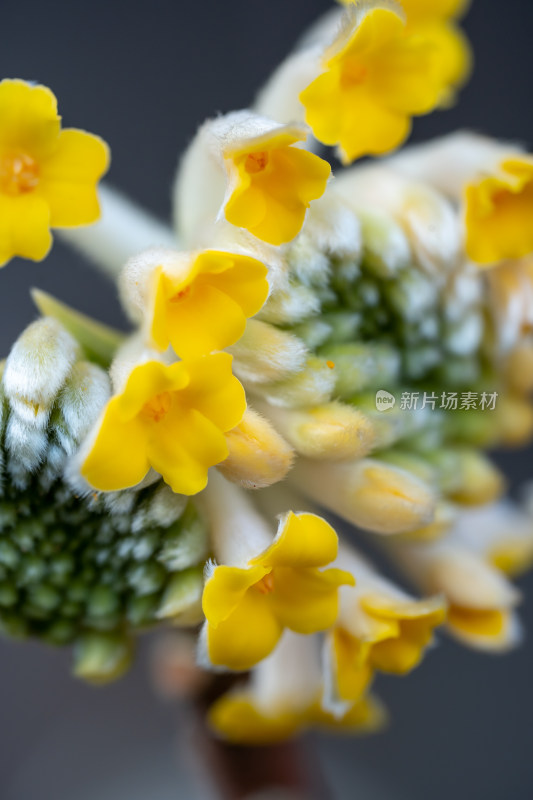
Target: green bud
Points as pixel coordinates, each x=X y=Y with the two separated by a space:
x=102 y=657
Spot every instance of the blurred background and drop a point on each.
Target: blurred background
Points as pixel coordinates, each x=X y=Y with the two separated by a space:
x=143 y=75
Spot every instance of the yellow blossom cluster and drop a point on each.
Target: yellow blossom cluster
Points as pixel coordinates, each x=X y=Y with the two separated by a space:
x=263 y=330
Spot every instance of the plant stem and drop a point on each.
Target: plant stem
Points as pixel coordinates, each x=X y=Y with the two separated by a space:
x=123 y=230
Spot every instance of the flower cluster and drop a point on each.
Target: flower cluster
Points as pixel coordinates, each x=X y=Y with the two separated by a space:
x=280 y=334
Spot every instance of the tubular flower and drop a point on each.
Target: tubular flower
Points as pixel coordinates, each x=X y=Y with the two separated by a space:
x=274 y=183
x=196 y=302
x=266 y=182
x=48 y=176
x=499 y=212
x=169 y=418
x=481 y=601
x=283 y=698
x=379 y=628
x=377 y=75
x=502 y=533
x=247 y=607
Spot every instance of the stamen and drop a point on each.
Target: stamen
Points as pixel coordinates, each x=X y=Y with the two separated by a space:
x=157 y=408
x=181 y=295
x=19 y=174
x=354 y=74
x=256 y=162
x=266 y=584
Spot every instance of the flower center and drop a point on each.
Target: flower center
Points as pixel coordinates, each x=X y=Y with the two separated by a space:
x=266 y=584
x=157 y=408
x=354 y=73
x=181 y=295
x=19 y=174
x=256 y=162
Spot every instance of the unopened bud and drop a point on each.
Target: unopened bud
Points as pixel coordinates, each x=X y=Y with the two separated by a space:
x=331 y=431
x=258 y=455
x=372 y=495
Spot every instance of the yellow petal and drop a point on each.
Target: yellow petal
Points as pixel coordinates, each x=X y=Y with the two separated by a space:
x=241 y=277
x=353 y=673
x=415 y=621
x=404 y=78
x=472 y=623
x=306 y=600
x=24 y=228
x=29 y=122
x=225 y=589
x=69 y=176
x=512 y=556
x=204 y=321
x=424 y=11
x=214 y=391
x=402 y=654
x=303 y=540
x=499 y=213
x=147 y=381
x=183 y=447
x=367 y=715
x=453 y=57
x=247 y=635
x=235 y=718
x=118 y=457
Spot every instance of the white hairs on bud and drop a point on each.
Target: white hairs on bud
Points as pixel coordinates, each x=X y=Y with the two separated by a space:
x=314 y=385
x=291 y=306
x=37 y=367
x=162 y=509
x=81 y=400
x=189 y=549
x=428 y=218
x=53 y=468
x=134 y=282
x=265 y=354
x=334 y=227
x=26 y=446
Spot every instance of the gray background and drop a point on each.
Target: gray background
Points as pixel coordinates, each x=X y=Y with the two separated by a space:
x=143 y=75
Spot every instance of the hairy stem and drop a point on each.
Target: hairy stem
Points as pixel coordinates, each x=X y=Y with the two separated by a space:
x=123 y=230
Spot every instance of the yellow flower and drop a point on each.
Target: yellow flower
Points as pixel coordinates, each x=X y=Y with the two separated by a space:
x=397 y=633
x=273 y=183
x=171 y=418
x=435 y=21
x=48 y=176
x=499 y=212
x=248 y=608
x=236 y=718
x=202 y=304
x=283 y=697
x=377 y=75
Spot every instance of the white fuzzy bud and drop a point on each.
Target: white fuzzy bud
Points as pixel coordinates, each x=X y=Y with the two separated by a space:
x=37 y=367
x=80 y=401
x=448 y=162
x=428 y=218
x=265 y=354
